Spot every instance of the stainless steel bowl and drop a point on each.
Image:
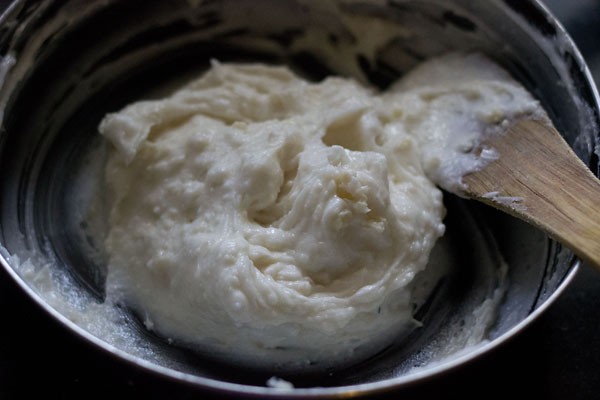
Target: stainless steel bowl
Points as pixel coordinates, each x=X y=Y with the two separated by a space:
x=66 y=63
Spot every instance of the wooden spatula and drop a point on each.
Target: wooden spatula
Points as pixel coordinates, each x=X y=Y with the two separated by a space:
x=539 y=179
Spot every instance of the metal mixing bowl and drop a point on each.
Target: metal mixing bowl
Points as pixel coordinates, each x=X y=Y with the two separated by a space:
x=67 y=63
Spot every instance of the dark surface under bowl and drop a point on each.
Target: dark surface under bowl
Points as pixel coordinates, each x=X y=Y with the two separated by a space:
x=557 y=357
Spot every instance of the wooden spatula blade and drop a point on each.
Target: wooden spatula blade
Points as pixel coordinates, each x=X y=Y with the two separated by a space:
x=538 y=178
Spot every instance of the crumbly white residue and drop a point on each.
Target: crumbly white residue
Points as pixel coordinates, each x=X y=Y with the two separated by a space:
x=280 y=384
x=261 y=217
x=513 y=202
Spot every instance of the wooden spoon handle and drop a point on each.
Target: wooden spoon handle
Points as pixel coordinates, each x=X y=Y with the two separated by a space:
x=550 y=186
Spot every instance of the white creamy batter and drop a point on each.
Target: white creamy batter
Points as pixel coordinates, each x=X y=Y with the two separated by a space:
x=260 y=217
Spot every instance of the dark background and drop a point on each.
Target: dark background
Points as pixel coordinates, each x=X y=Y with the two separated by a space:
x=557 y=357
